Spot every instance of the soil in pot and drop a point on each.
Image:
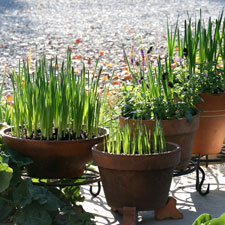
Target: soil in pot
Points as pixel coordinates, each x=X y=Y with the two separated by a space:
x=55 y=159
x=141 y=181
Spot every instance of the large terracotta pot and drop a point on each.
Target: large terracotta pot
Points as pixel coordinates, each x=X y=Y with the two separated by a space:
x=55 y=159
x=141 y=181
x=210 y=135
x=178 y=131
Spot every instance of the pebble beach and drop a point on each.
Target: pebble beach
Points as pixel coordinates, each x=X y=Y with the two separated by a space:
x=91 y=29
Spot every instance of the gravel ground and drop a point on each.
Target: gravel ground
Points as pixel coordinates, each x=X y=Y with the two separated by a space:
x=89 y=27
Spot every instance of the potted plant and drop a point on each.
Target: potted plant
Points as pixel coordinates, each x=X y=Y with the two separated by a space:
x=205 y=57
x=134 y=171
x=163 y=94
x=55 y=118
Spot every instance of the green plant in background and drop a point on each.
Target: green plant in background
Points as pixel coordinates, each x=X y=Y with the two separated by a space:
x=206 y=219
x=54 y=103
x=203 y=49
x=5 y=105
x=24 y=203
x=136 y=141
x=160 y=93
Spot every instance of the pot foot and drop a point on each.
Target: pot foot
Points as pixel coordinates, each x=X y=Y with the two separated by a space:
x=168 y=211
x=129 y=216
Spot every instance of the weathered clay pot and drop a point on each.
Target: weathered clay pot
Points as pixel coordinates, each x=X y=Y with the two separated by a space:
x=210 y=135
x=141 y=181
x=55 y=159
x=178 y=131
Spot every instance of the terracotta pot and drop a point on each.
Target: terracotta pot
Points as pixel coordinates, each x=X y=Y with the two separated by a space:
x=210 y=136
x=178 y=131
x=55 y=159
x=141 y=181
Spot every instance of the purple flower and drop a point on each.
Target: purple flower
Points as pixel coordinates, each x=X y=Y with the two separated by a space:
x=139 y=81
x=142 y=53
x=170 y=84
x=132 y=61
x=206 y=75
x=180 y=60
x=143 y=57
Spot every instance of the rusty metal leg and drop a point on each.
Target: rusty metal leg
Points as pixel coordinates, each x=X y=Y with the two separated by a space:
x=129 y=216
x=168 y=211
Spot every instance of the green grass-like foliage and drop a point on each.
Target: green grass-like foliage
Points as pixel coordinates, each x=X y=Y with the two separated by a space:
x=139 y=141
x=54 y=99
x=202 y=45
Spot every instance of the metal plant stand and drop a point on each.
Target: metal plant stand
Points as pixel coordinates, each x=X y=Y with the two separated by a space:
x=194 y=165
x=89 y=177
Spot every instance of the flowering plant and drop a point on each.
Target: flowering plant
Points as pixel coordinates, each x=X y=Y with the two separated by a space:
x=160 y=93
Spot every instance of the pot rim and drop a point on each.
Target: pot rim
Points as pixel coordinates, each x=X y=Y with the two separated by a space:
x=176 y=146
x=3 y=134
x=179 y=119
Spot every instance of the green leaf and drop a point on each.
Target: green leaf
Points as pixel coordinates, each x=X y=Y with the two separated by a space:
x=45 y=197
x=189 y=116
x=5 y=209
x=5 y=176
x=18 y=158
x=33 y=214
x=22 y=194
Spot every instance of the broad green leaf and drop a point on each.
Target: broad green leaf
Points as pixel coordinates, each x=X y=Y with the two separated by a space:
x=5 y=176
x=188 y=116
x=22 y=194
x=18 y=158
x=33 y=214
x=5 y=209
x=45 y=197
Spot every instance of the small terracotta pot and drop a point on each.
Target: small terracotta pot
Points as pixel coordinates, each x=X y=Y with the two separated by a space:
x=210 y=135
x=141 y=181
x=178 y=131
x=55 y=159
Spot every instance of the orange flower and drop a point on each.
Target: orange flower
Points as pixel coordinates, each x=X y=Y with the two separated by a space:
x=176 y=49
x=101 y=53
x=9 y=98
x=125 y=68
x=172 y=66
x=105 y=78
x=115 y=83
x=219 y=65
x=127 y=78
x=22 y=83
x=127 y=73
x=25 y=60
x=115 y=77
x=74 y=57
